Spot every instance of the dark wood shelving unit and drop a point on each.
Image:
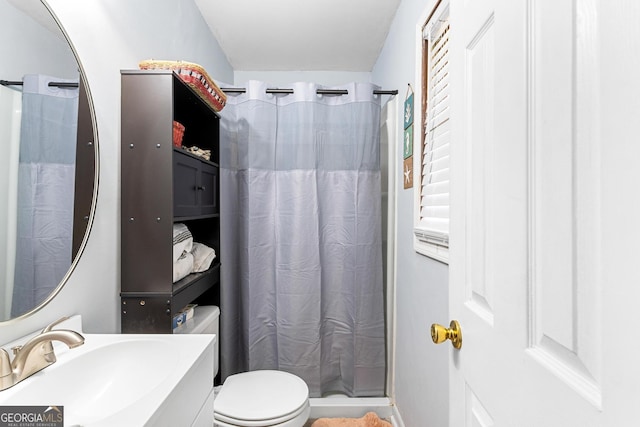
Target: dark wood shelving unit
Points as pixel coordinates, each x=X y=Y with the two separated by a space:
x=161 y=185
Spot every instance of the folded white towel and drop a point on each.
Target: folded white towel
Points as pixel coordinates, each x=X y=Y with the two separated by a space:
x=203 y=256
x=182 y=267
x=182 y=240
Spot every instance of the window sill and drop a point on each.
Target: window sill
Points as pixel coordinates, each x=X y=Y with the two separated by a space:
x=432 y=246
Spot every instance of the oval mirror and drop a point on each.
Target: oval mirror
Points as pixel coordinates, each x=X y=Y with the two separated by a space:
x=48 y=169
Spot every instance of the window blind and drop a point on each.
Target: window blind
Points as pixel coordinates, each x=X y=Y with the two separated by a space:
x=433 y=224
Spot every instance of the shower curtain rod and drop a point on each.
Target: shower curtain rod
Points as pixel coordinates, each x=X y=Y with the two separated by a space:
x=319 y=91
x=53 y=84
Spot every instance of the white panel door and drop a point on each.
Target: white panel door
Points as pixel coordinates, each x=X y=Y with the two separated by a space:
x=545 y=340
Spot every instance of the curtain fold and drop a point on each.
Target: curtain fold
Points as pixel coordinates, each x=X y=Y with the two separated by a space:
x=46 y=175
x=301 y=237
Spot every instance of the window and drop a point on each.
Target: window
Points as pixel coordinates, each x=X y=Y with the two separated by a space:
x=431 y=167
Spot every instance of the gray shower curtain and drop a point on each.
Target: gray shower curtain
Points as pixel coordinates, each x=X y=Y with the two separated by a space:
x=301 y=237
x=46 y=176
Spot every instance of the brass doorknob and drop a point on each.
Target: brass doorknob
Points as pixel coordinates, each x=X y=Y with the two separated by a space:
x=440 y=334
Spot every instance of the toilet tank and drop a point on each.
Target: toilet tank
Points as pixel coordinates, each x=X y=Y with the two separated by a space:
x=206 y=320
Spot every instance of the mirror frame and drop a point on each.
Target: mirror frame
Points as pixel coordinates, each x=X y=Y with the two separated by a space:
x=88 y=129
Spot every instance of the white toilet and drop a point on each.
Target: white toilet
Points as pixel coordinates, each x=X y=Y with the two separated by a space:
x=262 y=398
x=256 y=398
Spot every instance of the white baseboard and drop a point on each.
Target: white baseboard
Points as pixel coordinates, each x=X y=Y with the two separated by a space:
x=396 y=419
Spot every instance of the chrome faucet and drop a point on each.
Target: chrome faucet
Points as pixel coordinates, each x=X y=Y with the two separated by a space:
x=35 y=355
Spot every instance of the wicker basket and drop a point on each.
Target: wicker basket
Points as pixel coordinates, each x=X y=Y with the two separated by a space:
x=195 y=76
x=178 y=133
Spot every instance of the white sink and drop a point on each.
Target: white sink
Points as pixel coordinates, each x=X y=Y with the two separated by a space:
x=124 y=380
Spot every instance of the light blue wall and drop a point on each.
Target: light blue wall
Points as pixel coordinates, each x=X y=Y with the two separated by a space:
x=282 y=78
x=110 y=36
x=421 y=368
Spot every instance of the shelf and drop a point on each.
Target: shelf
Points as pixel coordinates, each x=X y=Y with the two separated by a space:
x=184 y=284
x=160 y=187
x=202 y=159
x=188 y=284
x=195 y=217
x=142 y=306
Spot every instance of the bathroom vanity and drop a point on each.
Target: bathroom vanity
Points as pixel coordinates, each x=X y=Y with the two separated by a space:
x=163 y=184
x=98 y=385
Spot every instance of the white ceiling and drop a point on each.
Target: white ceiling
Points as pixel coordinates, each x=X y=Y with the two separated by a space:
x=300 y=35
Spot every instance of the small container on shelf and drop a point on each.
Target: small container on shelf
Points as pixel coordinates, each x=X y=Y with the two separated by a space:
x=178 y=133
x=179 y=320
x=188 y=311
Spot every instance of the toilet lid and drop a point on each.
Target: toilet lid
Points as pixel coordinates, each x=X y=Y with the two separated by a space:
x=261 y=397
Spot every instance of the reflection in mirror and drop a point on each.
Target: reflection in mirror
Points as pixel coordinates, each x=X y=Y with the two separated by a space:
x=47 y=170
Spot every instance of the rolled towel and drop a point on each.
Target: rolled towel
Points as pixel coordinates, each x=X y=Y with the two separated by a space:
x=183 y=266
x=203 y=256
x=182 y=240
x=370 y=419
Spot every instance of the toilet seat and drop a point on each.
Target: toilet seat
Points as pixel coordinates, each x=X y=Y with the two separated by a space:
x=262 y=398
x=299 y=421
